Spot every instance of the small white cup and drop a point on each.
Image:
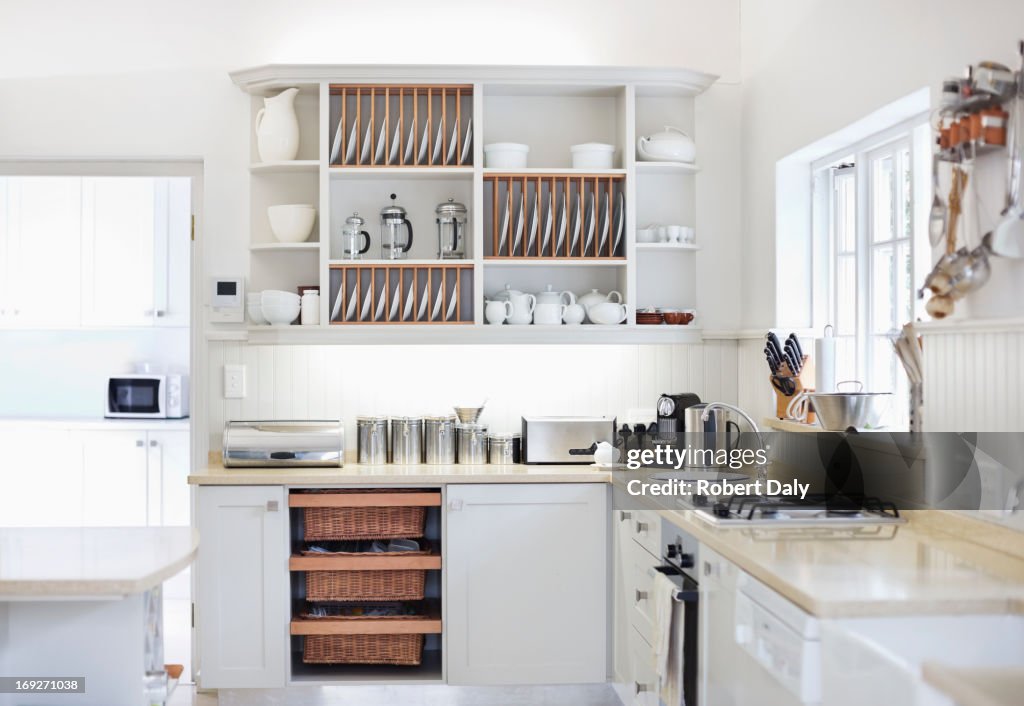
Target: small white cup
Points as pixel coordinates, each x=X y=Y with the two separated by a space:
x=675 y=234
x=662 y=234
x=497 y=311
x=689 y=235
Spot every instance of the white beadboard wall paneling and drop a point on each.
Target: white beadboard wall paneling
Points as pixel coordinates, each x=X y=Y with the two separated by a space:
x=318 y=381
x=973 y=378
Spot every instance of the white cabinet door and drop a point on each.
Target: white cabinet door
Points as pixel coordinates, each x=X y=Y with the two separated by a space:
x=42 y=252
x=115 y=492
x=242 y=586
x=118 y=222
x=40 y=478
x=527 y=584
x=172 y=249
x=168 y=478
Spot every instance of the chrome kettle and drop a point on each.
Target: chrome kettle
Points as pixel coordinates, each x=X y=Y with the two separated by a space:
x=395 y=232
x=709 y=438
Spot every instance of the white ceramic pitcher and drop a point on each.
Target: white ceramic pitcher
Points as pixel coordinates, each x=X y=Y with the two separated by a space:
x=277 y=127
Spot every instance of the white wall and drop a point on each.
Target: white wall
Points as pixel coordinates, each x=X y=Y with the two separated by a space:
x=63 y=373
x=810 y=68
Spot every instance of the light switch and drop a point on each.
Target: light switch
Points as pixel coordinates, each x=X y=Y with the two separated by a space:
x=234 y=381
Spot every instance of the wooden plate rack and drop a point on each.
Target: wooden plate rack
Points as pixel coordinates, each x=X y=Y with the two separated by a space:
x=401 y=293
x=401 y=125
x=525 y=214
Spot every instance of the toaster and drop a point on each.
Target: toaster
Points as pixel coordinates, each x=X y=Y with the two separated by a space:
x=565 y=439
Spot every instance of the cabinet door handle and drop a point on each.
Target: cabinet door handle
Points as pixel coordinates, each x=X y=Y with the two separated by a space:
x=641 y=688
x=154 y=442
x=160 y=313
x=625 y=516
x=455 y=505
x=272 y=506
x=641 y=596
x=140 y=443
x=641 y=527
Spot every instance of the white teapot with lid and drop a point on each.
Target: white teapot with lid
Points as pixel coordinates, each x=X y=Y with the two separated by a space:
x=669 y=145
x=550 y=296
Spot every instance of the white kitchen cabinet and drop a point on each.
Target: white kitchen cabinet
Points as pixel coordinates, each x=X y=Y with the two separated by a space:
x=40 y=244
x=167 y=465
x=40 y=478
x=527 y=584
x=242 y=591
x=115 y=489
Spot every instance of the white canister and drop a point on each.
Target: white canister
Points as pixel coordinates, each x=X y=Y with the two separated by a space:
x=310 y=313
x=506 y=155
x=592 y=155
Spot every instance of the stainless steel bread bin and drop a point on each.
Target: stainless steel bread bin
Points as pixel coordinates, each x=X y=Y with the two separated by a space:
x=277 y=444
x=564 y=439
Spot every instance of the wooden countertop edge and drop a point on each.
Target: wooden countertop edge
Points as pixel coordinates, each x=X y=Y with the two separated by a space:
x=976 y=686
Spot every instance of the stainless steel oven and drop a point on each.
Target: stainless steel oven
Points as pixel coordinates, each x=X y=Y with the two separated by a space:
x=678 y=562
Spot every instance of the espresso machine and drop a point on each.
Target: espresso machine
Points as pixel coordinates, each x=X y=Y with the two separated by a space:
x=672 y=411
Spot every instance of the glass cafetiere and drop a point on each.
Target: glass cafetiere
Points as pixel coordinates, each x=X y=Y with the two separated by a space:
x=353 y=242
x=451 y=230
x=395 y=232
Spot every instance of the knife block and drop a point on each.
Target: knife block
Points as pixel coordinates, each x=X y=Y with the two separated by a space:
x=804 y=383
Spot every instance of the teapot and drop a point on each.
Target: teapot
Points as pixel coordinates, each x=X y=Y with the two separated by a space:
x=671 y=144
x=595 y=296
x=550 y=296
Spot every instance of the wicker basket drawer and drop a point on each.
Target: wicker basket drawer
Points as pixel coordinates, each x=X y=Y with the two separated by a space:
x=363 y=649
x=386 y=585
x=364 y=514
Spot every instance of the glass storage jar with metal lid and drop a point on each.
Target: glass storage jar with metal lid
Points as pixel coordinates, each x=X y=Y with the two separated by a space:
x=451 y=230
x=439 y=439
x=471 y=443
x=352 y=241
x=395 y=232
x=372 y=439
x=406 y=440
x=504 y=448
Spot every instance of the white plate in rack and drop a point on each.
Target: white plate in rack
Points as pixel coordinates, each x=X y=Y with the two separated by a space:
x=548 y=223
x=423 y=304
x=367 y=143
x=504 y=221
x=364 y=315
x=336 y=145
x=392 y=315
x=562 y=225
x=408 y=302
x=577 y=223
x=454 y=142
x=393 y=154
x=437 y=142
x=350 y=151
x=466 y=145
x=378 y=154
x=606 y=229
x=337 y=300
x=380 y=307
x=520 y=224
x=437 y=302
x=591 y=222
x=409 y=145
x=423 y=143
x=534 y=224
x=620 y=222
x=451 y=307
x=350 y=312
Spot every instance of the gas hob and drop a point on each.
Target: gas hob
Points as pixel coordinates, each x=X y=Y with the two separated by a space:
x=811 y=511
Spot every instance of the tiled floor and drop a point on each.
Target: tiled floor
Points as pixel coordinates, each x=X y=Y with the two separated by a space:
x=593 y=695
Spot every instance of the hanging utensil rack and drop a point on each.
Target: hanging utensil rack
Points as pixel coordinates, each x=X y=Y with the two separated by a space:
x=538 y=217
x=431 y=124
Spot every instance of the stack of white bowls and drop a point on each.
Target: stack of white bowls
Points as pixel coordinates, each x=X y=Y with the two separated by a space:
x=279 y=308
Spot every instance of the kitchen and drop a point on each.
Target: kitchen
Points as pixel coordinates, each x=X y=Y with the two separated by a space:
x=721 y=243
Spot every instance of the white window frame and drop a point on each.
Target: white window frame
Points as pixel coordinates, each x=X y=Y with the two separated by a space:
x=904 y=134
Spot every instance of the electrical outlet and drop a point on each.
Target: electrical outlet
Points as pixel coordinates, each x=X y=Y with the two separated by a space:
x=234 y=381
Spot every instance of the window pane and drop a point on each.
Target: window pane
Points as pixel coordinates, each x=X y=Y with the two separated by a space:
x=882 y=193
x=846 y=295
x=883 y=304
x=906 y=200
x=846 y=358
x=846 y=212
x=882 y=373
x=904 y=285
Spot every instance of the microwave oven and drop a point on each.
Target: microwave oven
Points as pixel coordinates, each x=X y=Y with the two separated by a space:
x=143 y=396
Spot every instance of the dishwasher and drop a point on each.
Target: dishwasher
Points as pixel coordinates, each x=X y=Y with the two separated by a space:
x=758 y=647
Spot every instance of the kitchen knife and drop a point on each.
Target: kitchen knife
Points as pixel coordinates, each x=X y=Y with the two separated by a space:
x=796 y=344
x=776 y=345
x=796 y=360
x=773 y=363
x=794 y=365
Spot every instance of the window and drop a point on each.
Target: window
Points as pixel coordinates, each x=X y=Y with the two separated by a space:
x=867 y=224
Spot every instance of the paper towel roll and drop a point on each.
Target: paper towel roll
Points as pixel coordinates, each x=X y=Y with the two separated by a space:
x=825 y=364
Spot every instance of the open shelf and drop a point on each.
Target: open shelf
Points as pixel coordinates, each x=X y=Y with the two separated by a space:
x=666 y=168
x=407 y=172
x=291 y=167
x=312 y=246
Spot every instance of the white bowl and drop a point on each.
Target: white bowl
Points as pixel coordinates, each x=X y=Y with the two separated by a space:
x=607 y=313
x=646 y=235
x=592 y=155
x=278 y=296
x=280 y=308
x=291 y=223
x=255 y=311
x=506 y=155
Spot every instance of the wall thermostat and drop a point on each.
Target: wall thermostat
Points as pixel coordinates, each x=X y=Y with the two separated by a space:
x=227 y=300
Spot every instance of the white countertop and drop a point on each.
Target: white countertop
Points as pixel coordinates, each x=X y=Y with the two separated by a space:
x=80 y=563
x=94 y=423
x=390 y=474
x=977 y=686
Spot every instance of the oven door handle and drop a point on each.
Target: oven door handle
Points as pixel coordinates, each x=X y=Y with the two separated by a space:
x=688 y=591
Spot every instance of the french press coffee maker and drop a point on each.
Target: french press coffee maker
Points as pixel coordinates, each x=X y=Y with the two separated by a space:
x=395 y=232
x=451 y=230
x=353 y=242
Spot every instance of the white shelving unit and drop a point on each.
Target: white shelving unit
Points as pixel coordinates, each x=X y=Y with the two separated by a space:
x=577 y=105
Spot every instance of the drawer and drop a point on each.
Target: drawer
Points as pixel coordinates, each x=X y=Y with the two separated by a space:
x=644 y=529
x=644 y=688
x=639 y=584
